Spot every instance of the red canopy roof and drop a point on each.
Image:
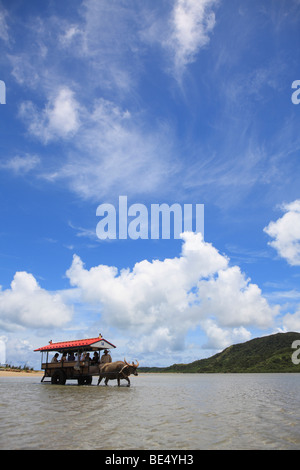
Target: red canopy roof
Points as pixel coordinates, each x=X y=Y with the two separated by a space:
x=91 y=343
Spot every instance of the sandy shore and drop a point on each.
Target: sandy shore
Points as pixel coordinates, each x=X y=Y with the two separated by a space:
x=14 y=373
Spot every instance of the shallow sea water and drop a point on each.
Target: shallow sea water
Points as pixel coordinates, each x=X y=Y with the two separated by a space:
x=158 y=411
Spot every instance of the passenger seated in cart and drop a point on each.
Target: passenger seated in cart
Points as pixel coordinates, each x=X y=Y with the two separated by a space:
x=54 y=358
x=95 y=358
x=82 y=357
x=105 y=357
x=71 y=357
x=85 y=357
x=63 y=357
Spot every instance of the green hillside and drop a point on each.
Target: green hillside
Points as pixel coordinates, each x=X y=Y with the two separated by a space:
x=267 y=354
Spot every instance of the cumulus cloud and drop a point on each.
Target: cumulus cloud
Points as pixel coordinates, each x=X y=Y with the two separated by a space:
x=234 y=300
x=291 y=322
x=26 y=304
x=286 y=233
x=20 y=352
x=160 y=301
x=220 y=338
x=155 y=304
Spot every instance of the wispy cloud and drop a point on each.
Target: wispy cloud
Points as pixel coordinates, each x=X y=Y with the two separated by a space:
x=85 y=232
x=4 y=30
x=113 y=142
x=109 y=42
x=111 y=151
x=110 y=144
x=21 y=165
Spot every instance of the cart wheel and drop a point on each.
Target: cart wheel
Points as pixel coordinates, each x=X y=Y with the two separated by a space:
x=58 y=378
x=85 y=380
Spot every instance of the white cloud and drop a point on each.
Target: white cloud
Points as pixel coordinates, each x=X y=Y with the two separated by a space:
x=159 y=301
x=220 y=338
x=26 y=304
x=19 y=351
x=62 y=115
x=286 y=233
x=59 y=119
x=181 y=32
x=234 y=301
x=191 y=23
x=154 y=305
x=291 y=322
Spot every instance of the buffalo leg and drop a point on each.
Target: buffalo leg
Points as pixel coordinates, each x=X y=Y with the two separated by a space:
x=99 y=380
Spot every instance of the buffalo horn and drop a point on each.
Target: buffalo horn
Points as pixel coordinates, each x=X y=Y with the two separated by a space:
x=132 y=363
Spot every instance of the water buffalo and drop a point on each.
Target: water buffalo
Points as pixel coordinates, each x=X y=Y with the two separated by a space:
x=116 y=371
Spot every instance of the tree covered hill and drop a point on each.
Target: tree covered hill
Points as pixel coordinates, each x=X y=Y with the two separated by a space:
x=271 y=353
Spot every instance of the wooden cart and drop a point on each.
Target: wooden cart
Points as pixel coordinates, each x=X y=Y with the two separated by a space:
x=67 y=368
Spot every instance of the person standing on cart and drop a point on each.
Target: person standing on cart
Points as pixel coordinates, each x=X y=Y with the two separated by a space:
x=106 y=357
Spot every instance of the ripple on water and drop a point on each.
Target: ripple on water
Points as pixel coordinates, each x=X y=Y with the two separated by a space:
x=159 y=411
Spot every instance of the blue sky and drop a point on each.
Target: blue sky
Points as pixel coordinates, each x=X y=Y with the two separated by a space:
x=182 y=101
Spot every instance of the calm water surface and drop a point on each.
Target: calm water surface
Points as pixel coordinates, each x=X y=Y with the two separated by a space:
x=158 y=411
